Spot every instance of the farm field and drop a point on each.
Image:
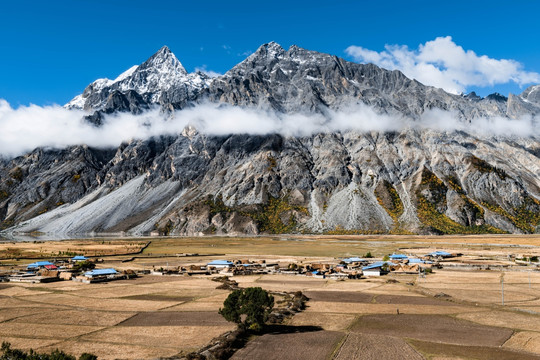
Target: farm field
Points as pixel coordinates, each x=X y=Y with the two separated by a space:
x=107 y=320
x=449 y=314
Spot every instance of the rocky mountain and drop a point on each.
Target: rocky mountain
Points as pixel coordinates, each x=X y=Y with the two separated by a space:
x=408 y=181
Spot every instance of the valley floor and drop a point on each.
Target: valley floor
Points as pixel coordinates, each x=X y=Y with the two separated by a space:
x=451 y=313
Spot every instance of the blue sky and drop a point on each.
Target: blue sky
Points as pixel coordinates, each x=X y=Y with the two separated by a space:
x=52 y=49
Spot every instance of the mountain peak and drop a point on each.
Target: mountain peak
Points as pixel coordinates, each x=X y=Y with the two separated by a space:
x=497 y=97
x=269 y=50
x=164 y=61
x=164 y=50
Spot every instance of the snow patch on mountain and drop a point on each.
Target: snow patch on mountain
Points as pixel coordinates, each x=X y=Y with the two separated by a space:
x=160 y=73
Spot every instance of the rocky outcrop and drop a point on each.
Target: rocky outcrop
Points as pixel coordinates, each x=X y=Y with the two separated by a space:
x=408 y=181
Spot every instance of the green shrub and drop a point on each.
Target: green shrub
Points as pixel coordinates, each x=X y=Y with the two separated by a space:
x=249 y=308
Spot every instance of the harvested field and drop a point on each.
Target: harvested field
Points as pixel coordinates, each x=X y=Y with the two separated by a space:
x=28 y=343
x=353 y=285
x=85 y=317
x=339 y=296
x=436 y=328
x=163 y=316
x=488 y=296
x=410 y=300
x=20 y=291
x=506 y=319
x=199 y=305
x=290 y=285
x=368 y=298
x=525 y=341
x=77 y=317
x=42 y=331
x=170 y=318
x=159 y=297
x=327 y=321
x=117 y=304
x=178 y=337
x=13 y=313
x=110 y=351
x=362 y=308
x=68 y=248
x=309 y=345
x=449 y=351
x=375 y=347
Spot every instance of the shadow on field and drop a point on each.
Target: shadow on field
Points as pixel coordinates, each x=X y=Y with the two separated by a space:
x=289 y=329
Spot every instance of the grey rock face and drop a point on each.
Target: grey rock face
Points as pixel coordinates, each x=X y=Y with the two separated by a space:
x=420 y=181
x=160 y=75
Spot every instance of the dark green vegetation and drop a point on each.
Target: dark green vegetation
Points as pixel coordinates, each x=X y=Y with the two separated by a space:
x=249 y=307
x=14 y=354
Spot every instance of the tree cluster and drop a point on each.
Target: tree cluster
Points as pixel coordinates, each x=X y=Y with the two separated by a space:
x=249 y=307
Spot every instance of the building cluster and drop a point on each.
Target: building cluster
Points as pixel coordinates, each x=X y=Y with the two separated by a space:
x=79 y=268
x=348 y=268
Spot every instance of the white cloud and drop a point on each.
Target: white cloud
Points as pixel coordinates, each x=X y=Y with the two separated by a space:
x=28 y=127
x=205 y=70
x=443 y=63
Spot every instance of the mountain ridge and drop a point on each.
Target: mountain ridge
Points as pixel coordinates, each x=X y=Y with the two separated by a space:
x=405 y=181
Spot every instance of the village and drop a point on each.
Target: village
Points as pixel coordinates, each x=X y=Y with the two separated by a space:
x=85 y=269
x=159 y=298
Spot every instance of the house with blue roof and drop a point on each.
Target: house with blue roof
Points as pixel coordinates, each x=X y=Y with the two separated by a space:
x=376 y=269
x=100 y=272
x=398 y=257
x=220 y=264
x=38 y=265
x=352 y=260
x=79 y=258
x=442 y=254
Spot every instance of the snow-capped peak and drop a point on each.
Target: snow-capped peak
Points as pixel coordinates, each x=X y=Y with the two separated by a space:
x=159 y=73
x=126 y=74
x=164 y=61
